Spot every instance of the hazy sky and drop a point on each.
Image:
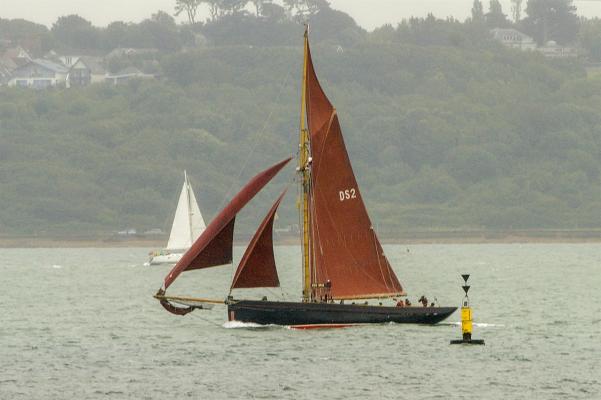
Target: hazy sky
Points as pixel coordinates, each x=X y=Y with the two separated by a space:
x=368 y=13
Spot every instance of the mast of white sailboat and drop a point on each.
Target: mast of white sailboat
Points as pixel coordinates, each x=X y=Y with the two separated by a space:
x=305 y=178
x=189 y=207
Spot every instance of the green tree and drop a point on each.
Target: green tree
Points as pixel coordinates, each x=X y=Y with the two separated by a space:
x=233 y=6
x=115 y=35
x=477 y=11
x=215 y=9
x=74 y=31
x=160 y=31
x=495 y=18
x=590 y=38
x=552 y=20
x=164 y=19
x=273 y=11
x=37 y=37
x=190 y=7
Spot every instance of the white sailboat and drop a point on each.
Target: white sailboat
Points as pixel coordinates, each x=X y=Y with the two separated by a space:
x=187 y=226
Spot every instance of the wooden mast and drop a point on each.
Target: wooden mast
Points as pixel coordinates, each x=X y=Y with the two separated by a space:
x=305 y=178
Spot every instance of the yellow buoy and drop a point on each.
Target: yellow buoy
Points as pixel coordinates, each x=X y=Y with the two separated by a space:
x=466 y=322
x=466 y=318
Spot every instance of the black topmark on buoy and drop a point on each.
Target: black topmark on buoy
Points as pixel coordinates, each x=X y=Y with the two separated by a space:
x=466 y=318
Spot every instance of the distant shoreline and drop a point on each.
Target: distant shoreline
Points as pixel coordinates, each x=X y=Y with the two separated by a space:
x=415 y=237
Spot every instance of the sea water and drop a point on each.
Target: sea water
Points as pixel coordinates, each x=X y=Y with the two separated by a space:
x=82 y=324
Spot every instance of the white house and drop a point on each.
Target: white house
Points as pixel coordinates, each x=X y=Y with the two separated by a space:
x=553 y=50
x=68 y=61
x=86 y=70
x=127 y=74
x=11 y=59
x=513 y=38
x=39 y=74
x=129 y=52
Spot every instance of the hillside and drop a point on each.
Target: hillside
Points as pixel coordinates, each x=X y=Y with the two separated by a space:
x=459 y=133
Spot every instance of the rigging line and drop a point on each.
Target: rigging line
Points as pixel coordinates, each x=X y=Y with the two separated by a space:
x=256 y=142
x=390 y=270
x=378 y=256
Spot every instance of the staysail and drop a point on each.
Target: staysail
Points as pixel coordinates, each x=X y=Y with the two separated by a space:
x=345 y=248
x=257 y=267
x=187 y=223
x=214 y=246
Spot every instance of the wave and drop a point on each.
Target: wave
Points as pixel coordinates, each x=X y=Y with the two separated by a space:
x=244 y=325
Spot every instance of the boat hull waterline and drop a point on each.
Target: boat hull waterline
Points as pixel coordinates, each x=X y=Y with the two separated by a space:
x=294 y=313
x=171 y=258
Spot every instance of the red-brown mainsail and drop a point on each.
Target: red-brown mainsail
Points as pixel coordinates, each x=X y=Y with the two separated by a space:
x=345 y=248
x=214 y=246
x=257 y=267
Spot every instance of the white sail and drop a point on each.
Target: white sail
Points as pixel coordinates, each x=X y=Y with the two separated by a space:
x=188 y=223
x=197 y=223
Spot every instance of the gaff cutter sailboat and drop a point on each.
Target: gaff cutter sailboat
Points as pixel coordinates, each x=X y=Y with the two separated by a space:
x=342 y=259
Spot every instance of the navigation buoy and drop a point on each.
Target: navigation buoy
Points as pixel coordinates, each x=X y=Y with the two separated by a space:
x=466 y=318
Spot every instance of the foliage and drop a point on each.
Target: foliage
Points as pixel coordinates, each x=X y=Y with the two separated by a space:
x=590 y=38
x=445 y=129
x=516 y=10
x=552 y=20
x=34 y=37
x=477 y=11
x=495 y=18
x=76 y=32
x=189 y=6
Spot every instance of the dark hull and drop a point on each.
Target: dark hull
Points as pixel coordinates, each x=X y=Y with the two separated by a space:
x=291 y=313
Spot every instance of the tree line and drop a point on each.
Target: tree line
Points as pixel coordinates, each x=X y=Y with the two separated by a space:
x=545 y=19
x=268 y=23
x=445 y=129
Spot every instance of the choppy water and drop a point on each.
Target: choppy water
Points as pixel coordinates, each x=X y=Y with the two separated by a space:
x=81 y=323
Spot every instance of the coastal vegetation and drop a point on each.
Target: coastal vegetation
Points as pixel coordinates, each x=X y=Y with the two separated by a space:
x=446 y=128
